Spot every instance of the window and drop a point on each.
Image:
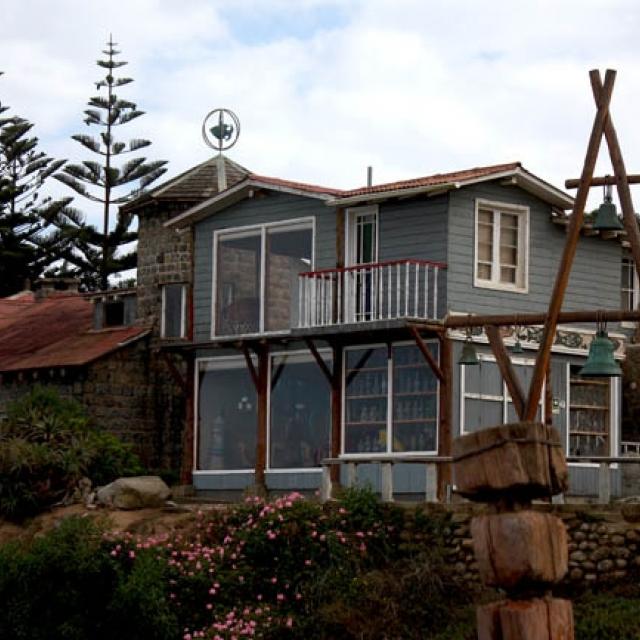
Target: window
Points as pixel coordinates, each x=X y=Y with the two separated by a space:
x=629 y=288
x=501 y=251
x=300 y=412
x=589 y=415
x=485 y=400
x=256 y=276
x=362 y=248
x=114 y=313
x=391 y=400
x=227 y=415
x=173 y=323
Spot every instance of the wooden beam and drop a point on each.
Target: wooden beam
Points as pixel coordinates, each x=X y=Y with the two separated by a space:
x=336 y=411
x=426 y=354
x=506 y=368
x=548 y=398
x=528 y=319
x=178 y=378
x=188 y=462
x=446 y=413
x=261 y=436
x=601 y=181
x=568 y=255
x=252 y=370
x=622 y=180
x=320 y=360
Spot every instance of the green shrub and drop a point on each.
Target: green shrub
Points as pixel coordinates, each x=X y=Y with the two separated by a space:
x=607 y=617
x=46 y=445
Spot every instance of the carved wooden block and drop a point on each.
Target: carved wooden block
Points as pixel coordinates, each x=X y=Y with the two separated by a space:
x=522 y=460
x=520 y=548
x=536 y=619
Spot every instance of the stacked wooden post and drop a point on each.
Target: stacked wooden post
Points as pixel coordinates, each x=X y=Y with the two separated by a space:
x=517 y=549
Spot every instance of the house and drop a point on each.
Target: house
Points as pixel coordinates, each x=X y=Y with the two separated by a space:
x=307 y=322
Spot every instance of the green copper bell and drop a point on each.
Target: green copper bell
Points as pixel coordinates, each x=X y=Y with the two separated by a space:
x=600 y=362
x=468 y=355
x=222 y=131
x=517 y=347
x=606 y=218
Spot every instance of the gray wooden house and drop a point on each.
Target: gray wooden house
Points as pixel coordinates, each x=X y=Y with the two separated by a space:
x=311 y=323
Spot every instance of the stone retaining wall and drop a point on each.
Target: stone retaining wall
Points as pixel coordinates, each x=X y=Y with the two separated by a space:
x=604 y=542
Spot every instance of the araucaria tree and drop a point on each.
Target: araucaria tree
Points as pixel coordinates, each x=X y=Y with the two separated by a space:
x=102 y=253
x=29 y=240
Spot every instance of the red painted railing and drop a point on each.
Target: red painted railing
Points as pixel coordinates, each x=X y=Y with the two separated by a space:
x=369 y=292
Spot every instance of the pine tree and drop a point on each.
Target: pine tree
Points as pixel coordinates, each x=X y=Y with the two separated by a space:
x=29 y=240
x=98 y=254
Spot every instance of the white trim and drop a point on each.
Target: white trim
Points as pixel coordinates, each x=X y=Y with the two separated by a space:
x=522 y=268
x=220 y=472
x=294 y=470
x=247 y=231
x=635 y=291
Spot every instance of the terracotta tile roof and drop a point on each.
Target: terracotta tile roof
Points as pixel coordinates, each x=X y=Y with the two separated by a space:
x=192 y=186
x=436 y=179
x=300 y=186
x=55 y=332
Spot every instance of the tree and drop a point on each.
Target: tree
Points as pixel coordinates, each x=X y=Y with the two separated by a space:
x=29 y=240
x=100 y=253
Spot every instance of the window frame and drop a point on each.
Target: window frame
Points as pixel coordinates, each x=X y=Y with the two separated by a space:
x=390 y=402
x=633 y=291
x=183 y=311
x=522 y=266
x=262 y=228
x=351 y=234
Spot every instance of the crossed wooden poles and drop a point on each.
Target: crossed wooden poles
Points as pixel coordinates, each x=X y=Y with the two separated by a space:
x=526 y=406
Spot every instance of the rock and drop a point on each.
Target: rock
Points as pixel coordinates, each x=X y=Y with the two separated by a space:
x=605 y=565
x=617 y=540
x=520 y=548
x=578 y=556
x=134 y=493
x=521 y=461
x=631 y=511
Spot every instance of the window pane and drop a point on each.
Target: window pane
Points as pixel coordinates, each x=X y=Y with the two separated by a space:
x=300 y=425
x=289 y=252
x=366 y=387
x=238 y=284
x=508 y=275
x=415 y=400
x=485 y=233
x=481 y=414
x=485 y=252
x=173 y=311
x=485 y=216
x=484 y=271
x=226 y=417
x=483 y=379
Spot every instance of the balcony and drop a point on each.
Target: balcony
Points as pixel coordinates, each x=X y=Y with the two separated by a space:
x=370 y=292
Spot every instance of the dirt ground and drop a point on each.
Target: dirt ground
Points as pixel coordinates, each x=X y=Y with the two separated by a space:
x=142 y=521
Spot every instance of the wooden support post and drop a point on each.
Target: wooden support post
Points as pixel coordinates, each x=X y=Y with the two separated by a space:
x=528 y=319
x=620 y=171
x=444 y=427
x=548 y=398
x=604 y=483
x=386 y=472
x=188 y=444
x=178 y=378
x=601 y=181
x=252 y=370
x=319 y=360
x=261 y=439
x=336 y=410
x=506 y=368
x=426 y=354
x=564 y=268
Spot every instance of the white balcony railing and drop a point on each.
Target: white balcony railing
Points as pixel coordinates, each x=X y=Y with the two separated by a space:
x=369 y=292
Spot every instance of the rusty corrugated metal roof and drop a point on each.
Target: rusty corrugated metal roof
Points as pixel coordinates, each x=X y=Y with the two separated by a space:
x=55 y=332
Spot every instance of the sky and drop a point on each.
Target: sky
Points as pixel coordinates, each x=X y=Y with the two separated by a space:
x=324 y=88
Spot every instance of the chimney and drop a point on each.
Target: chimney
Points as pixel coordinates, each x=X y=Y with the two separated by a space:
x=47 y=287
x=369 y=176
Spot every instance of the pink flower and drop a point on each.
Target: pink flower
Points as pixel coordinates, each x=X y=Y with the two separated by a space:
x=289 y=622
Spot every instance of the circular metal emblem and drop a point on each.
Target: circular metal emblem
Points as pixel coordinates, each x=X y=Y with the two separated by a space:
x=220 y=129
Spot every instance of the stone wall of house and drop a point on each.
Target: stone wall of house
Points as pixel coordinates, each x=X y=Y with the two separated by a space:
x=604 y=542
x=164 y=257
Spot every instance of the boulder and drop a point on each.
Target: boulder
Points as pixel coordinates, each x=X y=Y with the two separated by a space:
x=522 y=460
x=520 y=549
x=134 y=493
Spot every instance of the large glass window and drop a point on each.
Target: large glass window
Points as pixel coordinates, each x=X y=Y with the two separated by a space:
x=227 y=404
x=391 y=400
x=300 y=416
x=485 y=399
x=501 y=246
x=256 y=292
x=173 y=324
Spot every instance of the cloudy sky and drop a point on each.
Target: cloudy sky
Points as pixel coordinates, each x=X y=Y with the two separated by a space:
x=324 y=88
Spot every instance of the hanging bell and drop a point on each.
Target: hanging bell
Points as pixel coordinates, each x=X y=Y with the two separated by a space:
x=600 y=361
x=606 y=218
x=517 y=347
x=468 y=355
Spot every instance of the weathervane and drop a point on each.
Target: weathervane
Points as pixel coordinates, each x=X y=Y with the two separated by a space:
x=220 y=131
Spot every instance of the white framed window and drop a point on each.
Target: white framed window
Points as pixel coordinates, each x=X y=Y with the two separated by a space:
x=173 y=322
x=629 y=286
x=362 y=236
x=255 y=276
x=484 y=398
x=501 y=253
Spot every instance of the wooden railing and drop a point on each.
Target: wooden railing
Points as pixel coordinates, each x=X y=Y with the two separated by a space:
x=369 y=292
